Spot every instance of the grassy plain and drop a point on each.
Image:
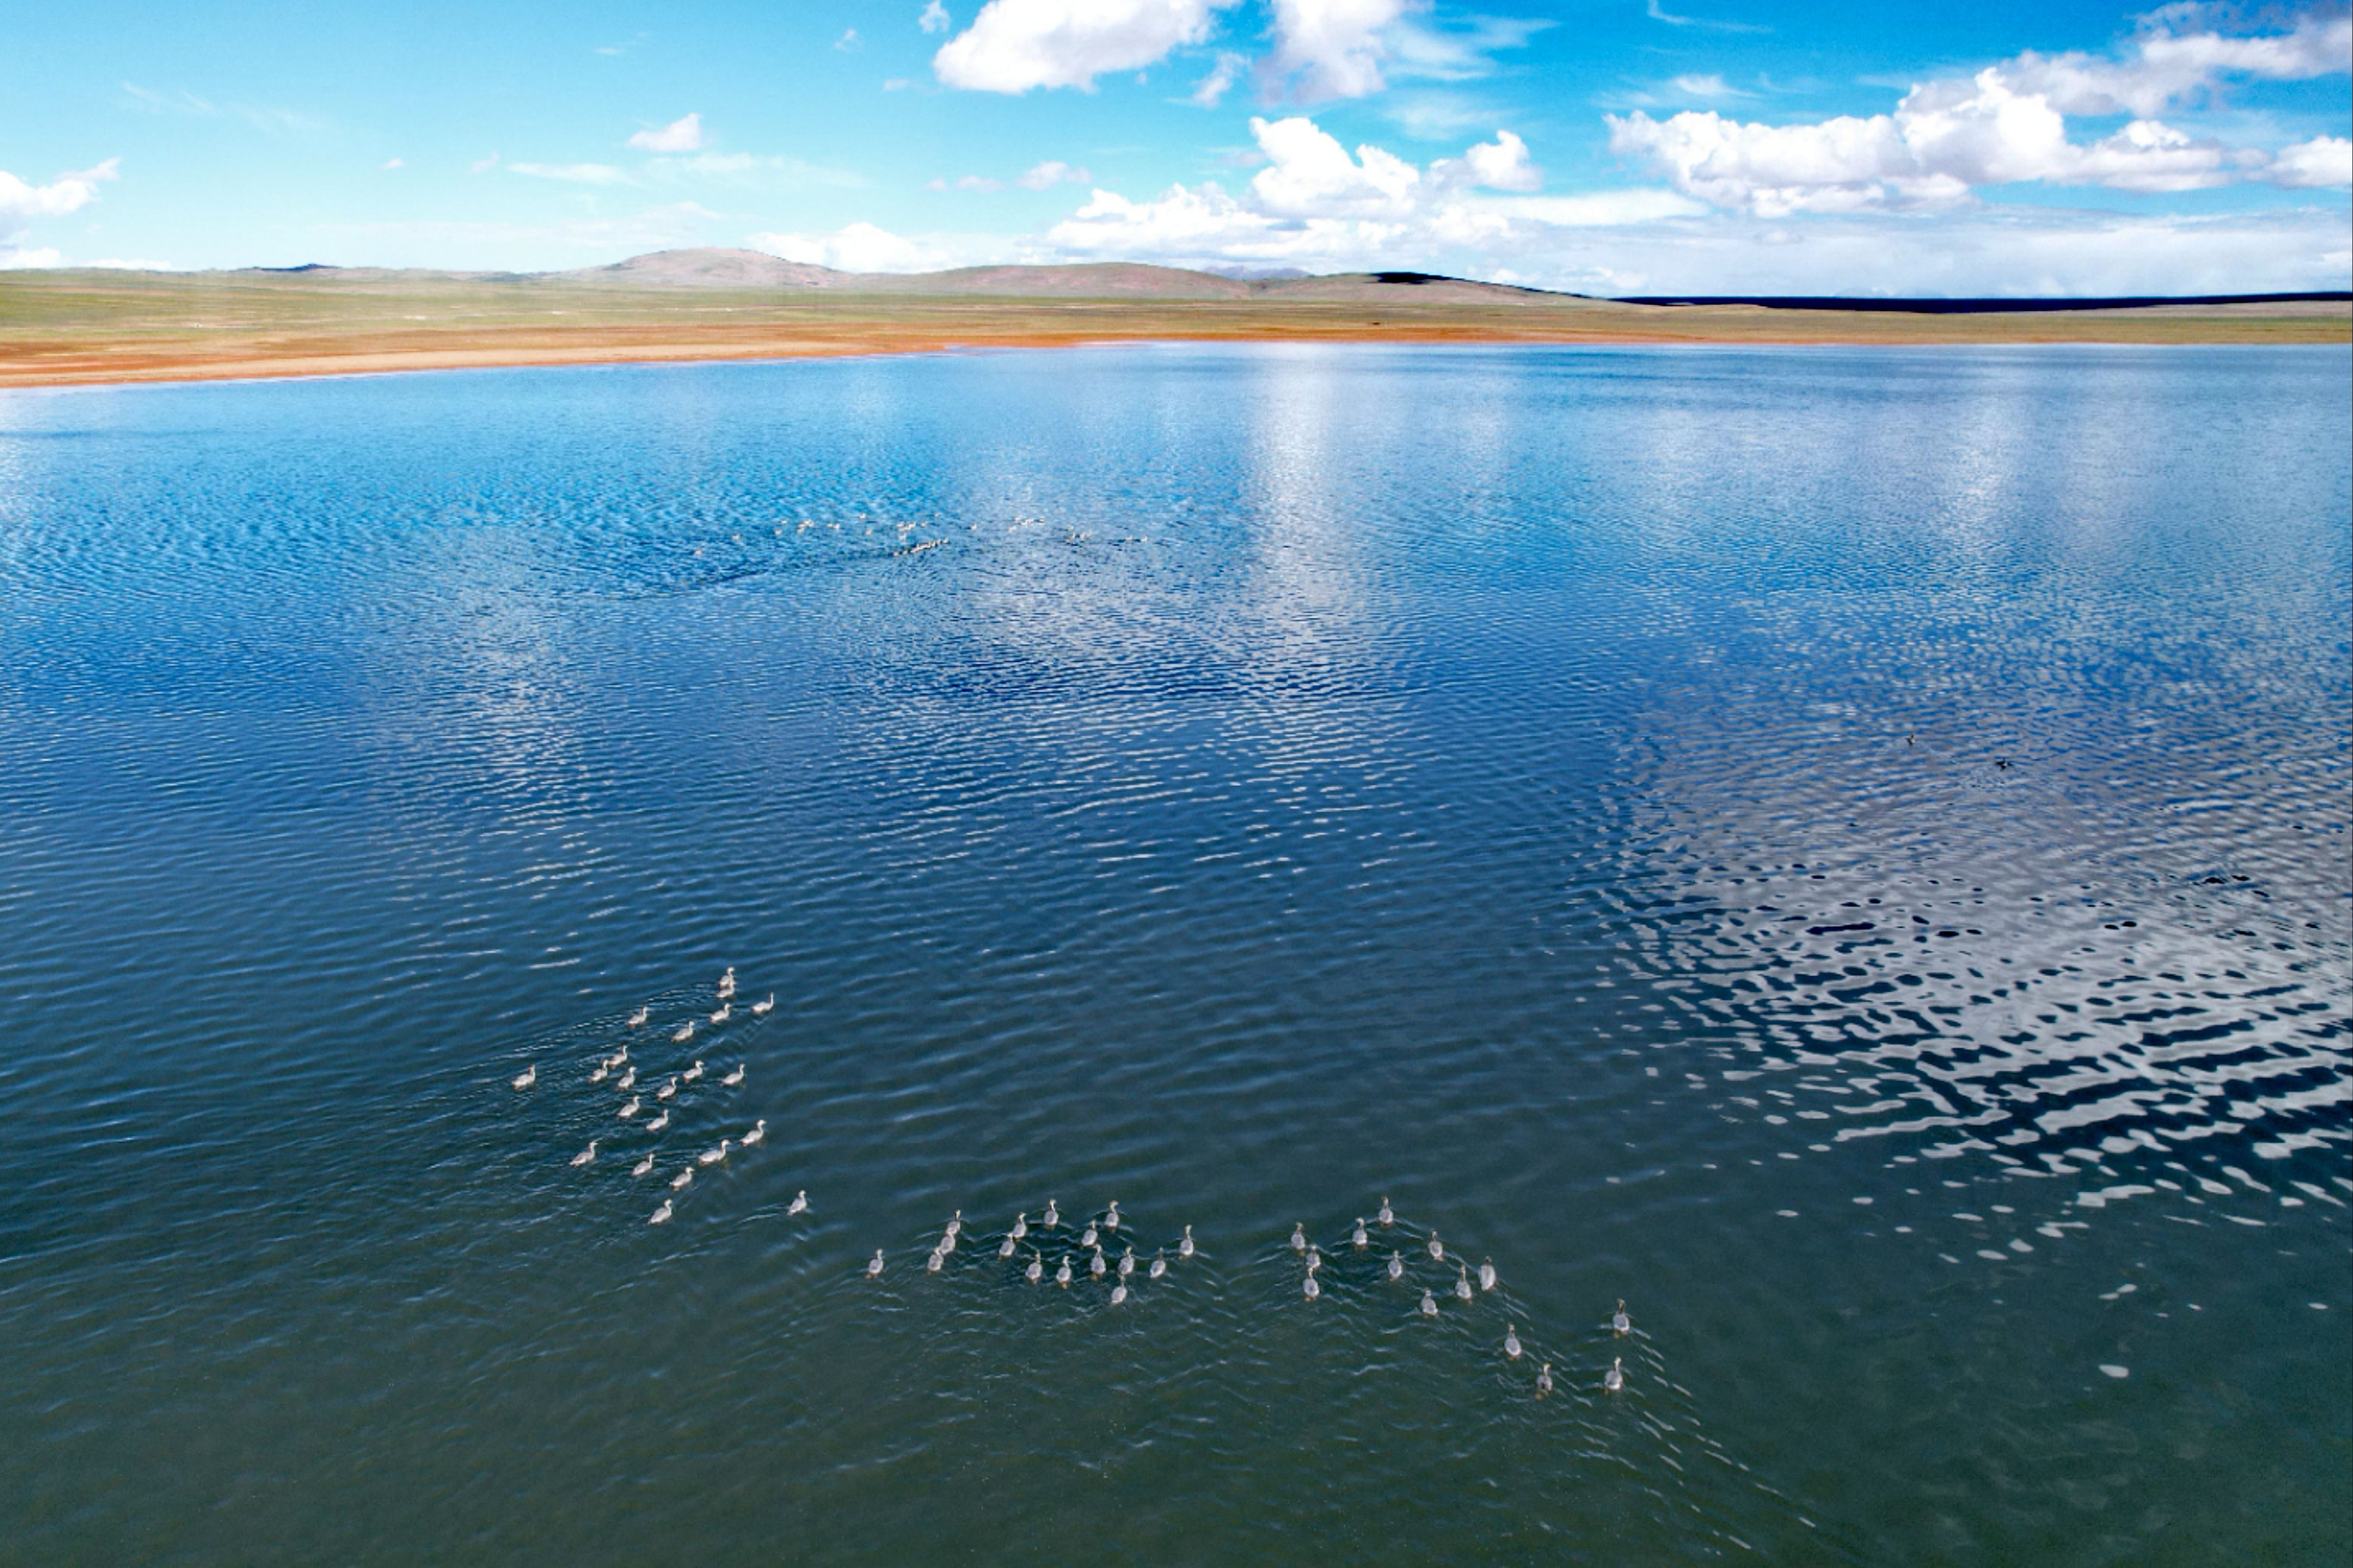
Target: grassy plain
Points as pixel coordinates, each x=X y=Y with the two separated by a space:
x=89 y=326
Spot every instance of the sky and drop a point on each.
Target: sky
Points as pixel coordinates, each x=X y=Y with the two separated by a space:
x=1603 y=146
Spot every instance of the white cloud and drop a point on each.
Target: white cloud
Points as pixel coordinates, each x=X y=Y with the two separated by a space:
x=860 y=248
x=1014 y=46
x=21 y=203
x=1711 y=86
x=577 y=174
x=1051 y=172
x=850 y=42
x=1334 y=49
x=484 y=165
x=394 y=163
x=12 y=259
x=935 y=18
x=1211 y=89
x=681 y=135
x=2006 y=124
x=2324 y=163
x=1659 y=13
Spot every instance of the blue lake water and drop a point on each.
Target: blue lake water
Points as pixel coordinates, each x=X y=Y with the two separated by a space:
x=1844 y=850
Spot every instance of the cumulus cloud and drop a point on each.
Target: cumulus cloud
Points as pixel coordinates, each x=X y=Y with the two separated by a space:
x=859 y=247
x=2324 y=163
x=1051 y=172
x=1334 y=49
x=2006 y=124
x=21 y=203
x=1014 y=46
x=935 y=18
x=681 y=135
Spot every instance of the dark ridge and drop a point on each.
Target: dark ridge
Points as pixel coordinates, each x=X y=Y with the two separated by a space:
x=1413 y=278
x=1970 y=307
x=306 y=267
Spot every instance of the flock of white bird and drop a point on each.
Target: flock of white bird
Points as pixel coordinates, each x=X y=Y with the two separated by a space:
x=1086 y=1247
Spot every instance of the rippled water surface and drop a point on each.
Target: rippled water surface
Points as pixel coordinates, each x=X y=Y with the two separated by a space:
x=1843 y=850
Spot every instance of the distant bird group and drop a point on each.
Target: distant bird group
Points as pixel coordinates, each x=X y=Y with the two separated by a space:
x=1087 y=1250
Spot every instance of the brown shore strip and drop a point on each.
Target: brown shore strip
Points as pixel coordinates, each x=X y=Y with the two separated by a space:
x=66 y=328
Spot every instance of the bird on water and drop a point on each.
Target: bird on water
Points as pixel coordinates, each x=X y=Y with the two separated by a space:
x=1298 y=1239
x=1487 y=1275
x=726 y=1010
x=1119 y=1293
x=1020 y=1225
x=1544 y=1378
x=659 y=1215
x=586 y=1156
x=1437 y=1250
x=1088 y=1237
x=1615 y=1378
x=761 y=1009
x=1428 y=1305
x=1111 y=1219
x=637 y=1020
x=629 y=1080
x=667 y=1090
x=1053 y=1215
x=1462 y=1284
x=799 y=1203
x=685 y=1033
x=758 y=1134
x=691 y=1074
x=1396 y=1265
x=659 y=1122
x=1618 y=1321
x=1388 y=1215
x=643 y=1167
x=1159 y=1266
x=1126 y=1262
x=732 y=1078
x=727 y=984
x=1360 y=1238
x=1095 y=1264
x=527 y=1077
x=1185 y=1248
x=874 y=1268
x=1062 y=1274
x=1510 y=1341
x=684 y=1178
x=933 y=1264
x=1036 y=1269
x=630 y=1109
x=1315 y=1260
x=1312 y=1290
x=713 y=1156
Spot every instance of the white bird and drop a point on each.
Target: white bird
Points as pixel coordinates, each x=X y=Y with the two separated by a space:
x=685 y=1033
x=727 y=984
x=1436 y=1250
x=1118 y=1293
x=875 y=1269
x=629 y=1080
x=956 y=1223
x=667 y=1090
x=1544 y=1378
x=1396 y=1265
x=1314 y=1289
x=799 y=1203
x=1185 y=1248
x=1315 y=1260
x=932 y=1266
x=1095 y=1264
x=601 y=1073
x=1428 y=1305
x=1111 y=1219
x=761 y=1008
x=642 y=1166
x=726 y=1010
x=1004 y=1247
x=587 y=1155
x=527 y=1077
x=684 y=1179
x=1020 y=1225
x=1615 y=1378
x=637 y=1020
x=1062 y=1274
x=613 y=1063
x=947 y=1242
x=1159 y=1266
x=1360 y=1238
x=629 y=1109
x=691 y=1074
x=1462 y=1284
x=1036 y=1269
x=1618 y=1321
x=758 y=1134
x=1388 y=1215
x=713 y=1156
x=659 y=1122
x=1510 y=1341
x=1127 y=1262
x=1487 y=1275
x=1089 y=1238
x=1053 y=1215
x=659 y=1215
x=732 y=1078
x=1298 y=1239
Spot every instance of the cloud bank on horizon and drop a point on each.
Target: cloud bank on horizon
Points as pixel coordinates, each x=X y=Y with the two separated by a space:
x=1609 y=146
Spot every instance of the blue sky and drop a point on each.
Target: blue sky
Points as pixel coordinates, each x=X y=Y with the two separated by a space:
x=1612 y=146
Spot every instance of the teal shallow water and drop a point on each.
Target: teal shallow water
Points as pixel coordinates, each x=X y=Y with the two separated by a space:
x=1844 y=850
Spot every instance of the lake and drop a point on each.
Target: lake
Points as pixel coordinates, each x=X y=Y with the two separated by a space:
x=1843 y=850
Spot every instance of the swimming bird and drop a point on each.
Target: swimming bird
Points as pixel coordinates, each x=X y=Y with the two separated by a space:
x=642 y=1166
x=659 y=1122
x=691 y=1074
x=727 y=984
x=799 y=1203
x=1462 y=1284
x=732 y=1078
x=1004 y=1247
x=637 y=1020
x=667 y=1090
x=1159 y=1266
x=713 y=1156
x=1615 y=1378
x=761 y=1009
x=1396 y=1265
x=947 y=1242
x=629 y=1080
x=1053 y=1215
x=937 y=1257
x=684 y=1179
x=1119 y=1293
x=586 y=1156
x=1544 y=1379
x=955 y=1222
x=1036 y=1269
x=527 y=1077
x=601 y=1073
x=1618 y=1321
x=629 y=1109
x=1095 y=1264
x=1428 y=1305
x=726 y=1010
x=1510 y=1341
x=758 y=1134
x=1360 y=1238
x=1312 y=1290
x=659 y=1215
x=685 y=1033
x=1436 y=1250
x=1062 y=1274
x=1315 y=1260
x=1298 y=1239
x=1020 y=1225
x=1185 y=1248
x=1487 y=1275
x=1088 y=1240
x=1388 y=1215
x=1126 y=1262
x=874 y=1268
x=614 y=1062
x=1111 y=1219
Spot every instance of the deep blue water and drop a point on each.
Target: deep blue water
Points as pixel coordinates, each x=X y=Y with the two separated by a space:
x=1845 y=850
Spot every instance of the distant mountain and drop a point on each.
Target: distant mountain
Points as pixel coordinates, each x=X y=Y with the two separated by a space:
x=708 y=267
